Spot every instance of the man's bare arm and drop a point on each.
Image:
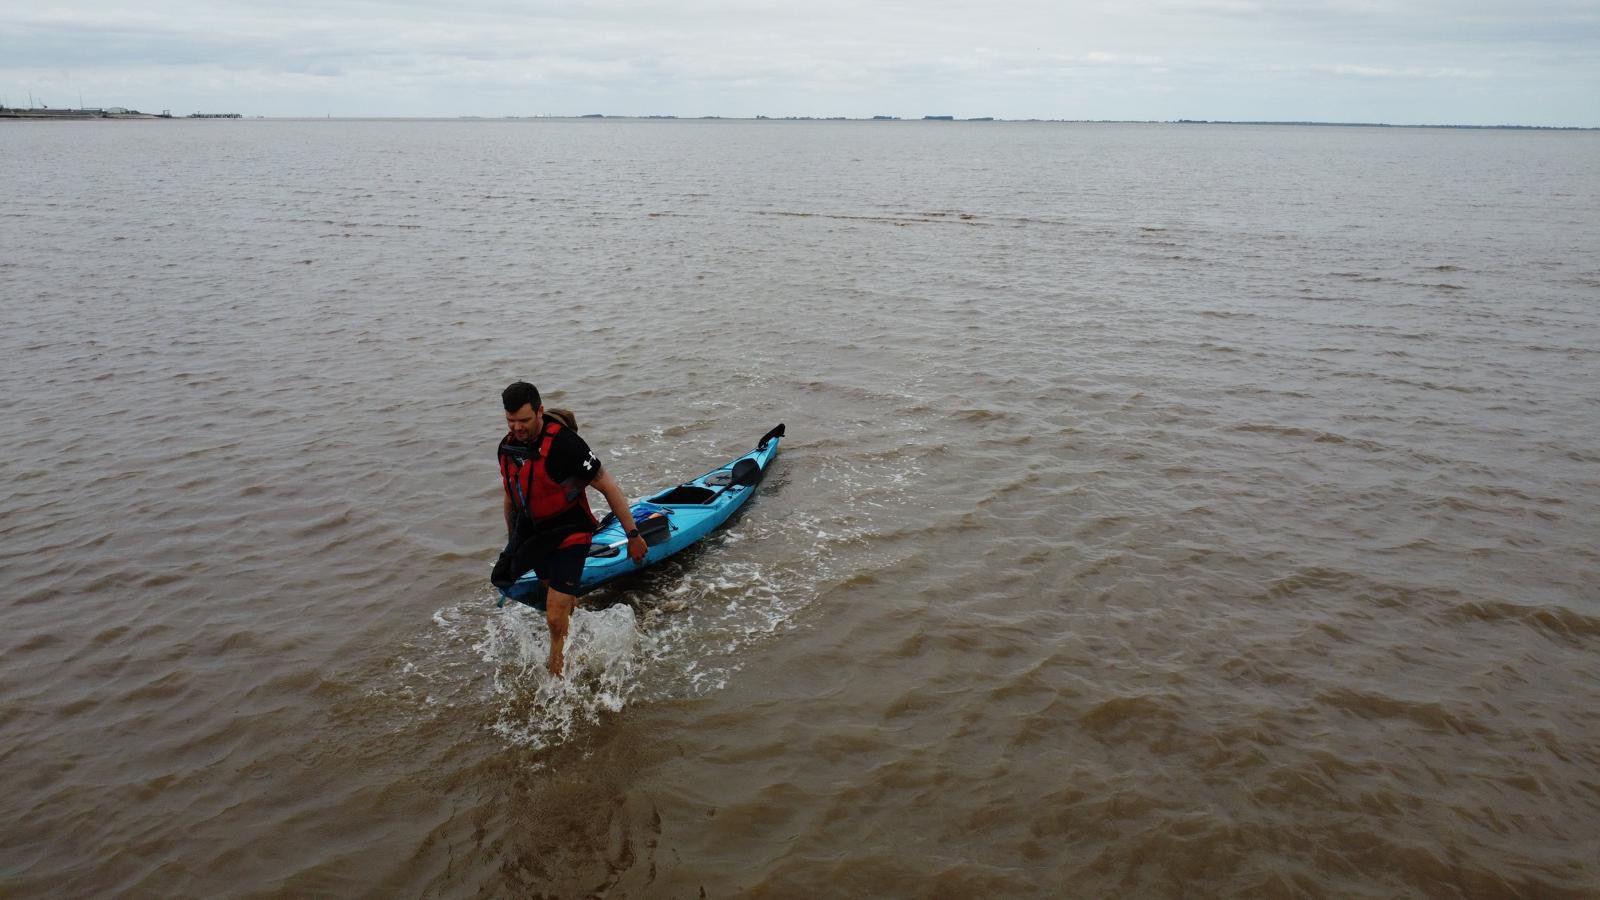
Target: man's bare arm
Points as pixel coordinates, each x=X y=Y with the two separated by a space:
x=607 y=486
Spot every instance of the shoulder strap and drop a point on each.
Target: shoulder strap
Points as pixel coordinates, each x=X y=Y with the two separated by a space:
x=551 y=429
x=512 y=457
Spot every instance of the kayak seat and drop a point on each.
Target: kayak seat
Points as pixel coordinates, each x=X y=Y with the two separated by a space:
x=745 y=471
x=684 y=495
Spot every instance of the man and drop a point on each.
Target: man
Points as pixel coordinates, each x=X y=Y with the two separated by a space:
x=546 y=469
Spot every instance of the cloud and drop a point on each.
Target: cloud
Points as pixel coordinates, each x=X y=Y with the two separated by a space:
x=1422 y=22
x=1090 y=58
x=1402 y=72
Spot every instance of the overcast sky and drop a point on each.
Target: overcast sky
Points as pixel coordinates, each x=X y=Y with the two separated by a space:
x=1532 y=62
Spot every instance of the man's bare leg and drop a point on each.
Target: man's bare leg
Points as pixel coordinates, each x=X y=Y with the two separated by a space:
x=558 y=614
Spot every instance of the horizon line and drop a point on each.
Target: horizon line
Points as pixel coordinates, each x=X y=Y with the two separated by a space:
x=950 y=119
x=875 y=118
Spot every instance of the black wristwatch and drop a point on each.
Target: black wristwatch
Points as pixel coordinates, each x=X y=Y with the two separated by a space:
x=633 y=532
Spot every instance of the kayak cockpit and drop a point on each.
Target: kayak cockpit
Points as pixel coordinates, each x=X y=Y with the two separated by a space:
x=685 y=495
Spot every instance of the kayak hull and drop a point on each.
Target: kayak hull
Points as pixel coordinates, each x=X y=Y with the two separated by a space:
x=691 y=510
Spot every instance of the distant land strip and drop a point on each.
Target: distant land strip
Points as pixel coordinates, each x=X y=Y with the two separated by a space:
x=110 y=112
x=1387 y=125
x=942 y=118
x=15 y=113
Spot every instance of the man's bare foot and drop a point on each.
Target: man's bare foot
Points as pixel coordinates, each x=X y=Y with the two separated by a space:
x=553 y=665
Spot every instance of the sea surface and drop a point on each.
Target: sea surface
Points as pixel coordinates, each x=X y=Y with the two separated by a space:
x=1167 y=510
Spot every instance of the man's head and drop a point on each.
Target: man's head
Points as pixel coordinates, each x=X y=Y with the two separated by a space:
x=521 y=401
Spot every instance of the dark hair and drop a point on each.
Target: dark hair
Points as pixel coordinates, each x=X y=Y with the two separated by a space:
x=518 y=393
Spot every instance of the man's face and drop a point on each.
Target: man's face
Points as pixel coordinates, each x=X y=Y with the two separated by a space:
x=524 y=421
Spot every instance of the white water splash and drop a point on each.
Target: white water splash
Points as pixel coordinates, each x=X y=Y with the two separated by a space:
x=602 y=658
x=685 y=629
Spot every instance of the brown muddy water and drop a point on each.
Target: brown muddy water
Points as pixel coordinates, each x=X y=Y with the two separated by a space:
x=1166 y=510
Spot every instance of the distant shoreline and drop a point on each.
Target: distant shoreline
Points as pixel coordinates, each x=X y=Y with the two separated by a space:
x=985 y=120
x=995 y=119
x=16 y=114
x=1391 y=125
x=48 y=114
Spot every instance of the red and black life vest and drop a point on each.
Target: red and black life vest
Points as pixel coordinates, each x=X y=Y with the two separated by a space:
x=538 y=497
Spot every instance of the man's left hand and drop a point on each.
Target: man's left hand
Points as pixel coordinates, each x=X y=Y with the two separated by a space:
x=637 y=548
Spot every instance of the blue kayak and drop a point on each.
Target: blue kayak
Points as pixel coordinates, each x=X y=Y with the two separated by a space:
x=671 y=521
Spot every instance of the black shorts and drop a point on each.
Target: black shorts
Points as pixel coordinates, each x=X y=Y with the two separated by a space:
x=562 y=568
x=558 y=567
